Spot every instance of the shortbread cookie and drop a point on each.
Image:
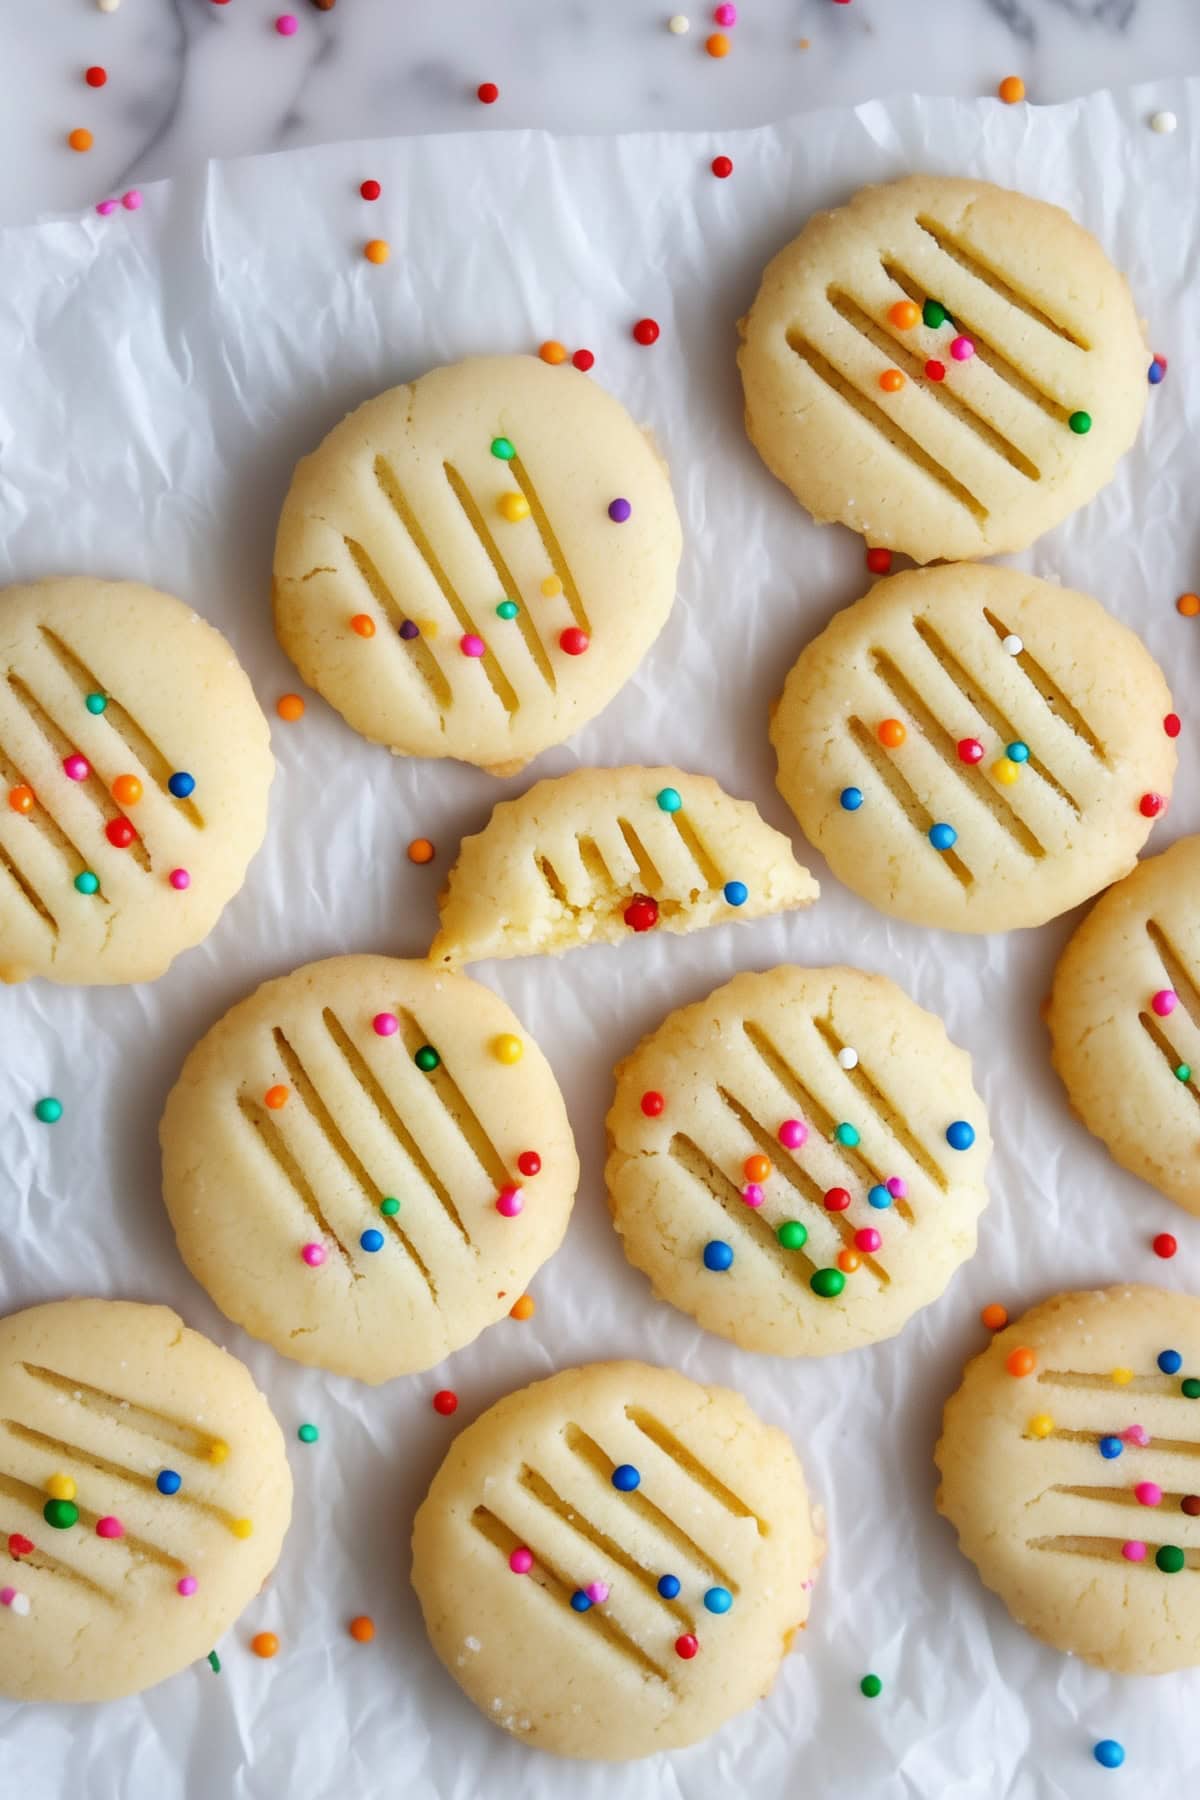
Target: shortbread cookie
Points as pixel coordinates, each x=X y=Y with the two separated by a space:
x=366 y=1162
x=798 y=1160
x=946 y=367
x=134 y=764
x=144 y=1494
x=601 y=855
x=472 y=565
x=1124 y=1018
x=615 y=1561
x=1069 y=1464
x=975 y=749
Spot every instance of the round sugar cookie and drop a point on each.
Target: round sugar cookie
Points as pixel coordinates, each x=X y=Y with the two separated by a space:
x=798 y=1160
x=615 y=1561
x=972 y=748
x=1074 y=1486
x=144 y=1494
x=472 y=565
x=134 y=769
x=1124 y=1018
x=366 y=1162
x=946 y=367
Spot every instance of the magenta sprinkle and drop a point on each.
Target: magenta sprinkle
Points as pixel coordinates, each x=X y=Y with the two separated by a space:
x=897 y=1187
x=1148 y=1493
x=470 y=645
x=108 y=1527
x=521 y=1561
x=752 y=1194
x=793 y=1134
x=1136 y=1434
x=76 y=767
x=186 y=1585
x=510 y=1202
x=962 y=349
x=597 y=1592
x=314 y=1255
x=132 y=200
x=385 y=1024
x=1165 y=1002
x=104 y=207
x=1134 y=1551
x=179 y=879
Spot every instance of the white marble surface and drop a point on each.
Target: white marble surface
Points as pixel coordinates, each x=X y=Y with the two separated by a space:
x=189 y=79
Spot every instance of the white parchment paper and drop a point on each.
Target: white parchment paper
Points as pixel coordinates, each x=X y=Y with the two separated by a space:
x=160 y=372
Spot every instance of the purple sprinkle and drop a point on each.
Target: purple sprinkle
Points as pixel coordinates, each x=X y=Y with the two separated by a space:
x=104 y=207
x=897 y=1187
x=619 y=511
x=410 y=629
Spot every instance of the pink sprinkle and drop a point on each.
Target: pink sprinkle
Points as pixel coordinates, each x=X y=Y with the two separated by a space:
x=1134 y=1551
x=1165 y=1002
x=76 y=768
x=867 y=1239
x=314 y=1255
x=108 y=1527
x=287 y=25
x=132 y=200
x=385 y=1024
x=897 y=1187
x=7 y=1596
x=470 y=645
x=962 y=349
x=597 y=1592
x=510 y=1202
x=187 y=1586
x=1136 y=1434
x=1148 y=1493
x=104 y=207
x=752 y=1194
x=521 y=1561
x=179 y=879
x=793 y=1134
x=725 y=15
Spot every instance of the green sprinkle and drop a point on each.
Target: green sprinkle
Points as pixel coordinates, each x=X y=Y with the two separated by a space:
x=1169 y=1558
x=504 y=449
x=427 y=1059
x=214 y=1662
x=507 y=609
x=87 y=883
x=871 y=1686
x=62 y=1514
x=848 y=1135
x=1080 y=423
x=389 y=1207
x=308 y=1434
x=670 y=800
x=96 y=703
x=49 y=1110
x=1184 y=1072
x=792 y=1234
x=828 y=1283
x=934 y=314
x=1190 y=1389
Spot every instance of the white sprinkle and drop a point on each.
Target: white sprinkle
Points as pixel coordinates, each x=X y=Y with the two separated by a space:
x=108 y=5
x=848 y=1058
x=679 y=24
x=1013 y=645
x=20 y=1605
x=472 y=1643
x=1164 y=123
x=496 y=1705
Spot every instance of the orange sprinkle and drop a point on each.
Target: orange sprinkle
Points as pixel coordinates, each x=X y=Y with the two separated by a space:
x=1020 y=1362
x=551 y=586
x=21 y=799
x=421 y=851
x=552 y=351
x=362 y=1629
x=1188 y=605
x=377 y=251
x=905 y=314
x=1011 y=89
x=264 y=1644
x=891 y=733
x=290 y=707
x=276 y=1096
x=364 y=624
x=994 y=1316
x=524 y=1308
x=79 y=139
x=127 y=790
x=848 y=1261
x=757 y=1168
x=891 y=381
x=718 y=44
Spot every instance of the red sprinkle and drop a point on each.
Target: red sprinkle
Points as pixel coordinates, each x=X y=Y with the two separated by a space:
x=686 y=1646
x=970 y=750
x=19 y=1545
x=646 y=331
x=722 y=167
x=837 y=1200
x=95 y=76
x=879 y=561
x=583 y=359
x=488 y=92
x=652 y=1104
x=1172 y=725
x=573 y=641
x=1150 y=805
x=120 y=833
x=445 y=1401
x=642 y=913
x=1165 y=1245
x=935 y=370
x=370 y=190
x=529 y=1162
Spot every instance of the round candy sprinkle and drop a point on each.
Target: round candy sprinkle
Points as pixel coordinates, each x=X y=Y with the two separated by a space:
x=514 y=507
x=19 y=1545
x=1005 y=771
x=943 y=837
x=827 y=1283
x=1041 y=1425
x=179 y=879
x=168 y=1481
x=896 y=1187
x=48 y=1111
x=275 y=1097
x=1170 y=1558
x=410 y=630
x=242 y=1528
x=61 y=1487
x=1170 y=1362
x=1011 y=89
x=736 y=893
x=934 y=314
x=362 y=1629
x=445 y=1402
x=529 y=1163
x=668 y=1586
x=1012 y=645
x=1165 y=1245
x=1164 y=1002
x=1190 y=1389
x=1133 y=1550
x=1156 y=371
x=652 y=1104
x=1188 y=605
x=524 y=1308
x=552 y=351
x=722 y=167
x=718 y=44
x=1172 y=725
x=504 y=448
x=1190 y=1504
x=1020 y=1362
x=994 y=1317
x=389 y=1207
x=891 y=381
x=22 y=799
x=580 y=1602
x=753 y=1194
x=718 y=1600
x=1163 y=123
x=120 y=833
x=573 y=641
x=646 y=331
x=1136 y=1434
x=686 y=1646
x=597 y=1592
x=132 y=200
x=851 y=799
x=642 y=913
x=1122 y=1377
x=962 y=349
x=420 y=851
x=1108 y=1753
x=1183 y=1072
x=521 y=1561
x=904 y=314
x=287 y=24
x=837 y=1199
x=313 y=1255
x=1080 y=423
x=793 y=1134
x=507 y=1048
x=96 y=76
x=619 y=510
x=96 y=703
x=471 y=645
x=625 y=1478
x=76 y=767
x=487 y=92
x=725 y=15
x=879 y=1198
x=891 y=733
x=1110 y=1448
x=80 y=139
x=935 y=370
x=1150 y=805
x=186 y=1585
x=218 y=1451
x=377 y=250
x=847 y=1135
x=1017 y=752
x=718 y=1256
x=669 y=800
x=370 y=190
x=1148 y=1493
x=867 y=1239
x=582 y=360
x=792 y=1235
x=127 y=790
x=510 y=1201
x=61 y=1514
x=308 y=1434
x=265 y=1644
x=848 y=1261
x=679 y=24
x=960 y=1135
x=109 y=1527
x=427 y=1059
x=385 y=1024
x=87 y=882
x=871 y=1687
x=879 y=561
x=181 y=784
x=371 y=1240
x=507 y=609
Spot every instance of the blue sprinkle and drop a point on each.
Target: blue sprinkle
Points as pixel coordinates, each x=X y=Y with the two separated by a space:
x=580 y=1601
x=717 y=1256
x=1017 y=752
x=851 y=799
x=1110 y=1448
x=1109 y=1754
x=625 y=1477
x=668 y=1586
x=718 y=1600
x=371 y=1239
x=737 y=893
x=168 y=1481
x=181 y=784
x=960 y=1135
x=879 y=1198
x=1155 y=373
x=943 y=837
x=1170 y=1362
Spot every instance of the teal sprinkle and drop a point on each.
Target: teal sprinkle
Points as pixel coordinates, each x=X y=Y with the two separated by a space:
x=1183 y=1072
x=848 y=1135
x=87 y=883
x=96 y=703
x=507 y=609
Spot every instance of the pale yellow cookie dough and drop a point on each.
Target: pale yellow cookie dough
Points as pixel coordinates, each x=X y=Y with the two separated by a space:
x=1124 y=1018
x=561 y=866
x=406 y=515
x=295 y=1124
x=971 y=655
x=771 y=1066
x=176 y=703
x=99 y=1399
x=986 y=459
x=719 y=1503
x=1057 y=1528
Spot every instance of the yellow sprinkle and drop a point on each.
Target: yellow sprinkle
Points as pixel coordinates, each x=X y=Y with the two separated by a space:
x=1122 y=1377
x=428 y=627
x=1005 y=771
x=60 y=1487
x=218 y=1450
x=1041 y=1425
x=507 y=1048
x=551 y=586
x=514 y=507
x=242 y=1527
